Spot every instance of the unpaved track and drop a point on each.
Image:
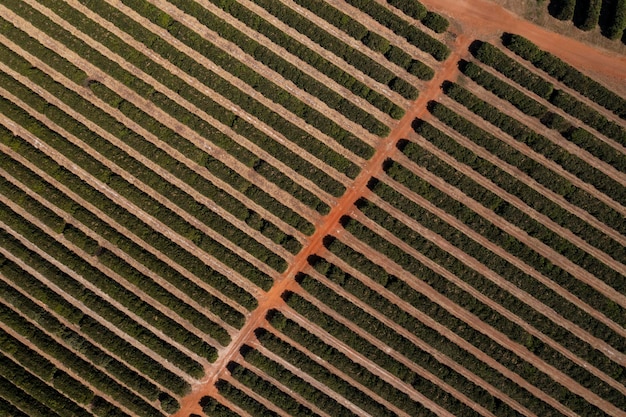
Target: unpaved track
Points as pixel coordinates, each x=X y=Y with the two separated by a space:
x=325 y=226
x=483 y=18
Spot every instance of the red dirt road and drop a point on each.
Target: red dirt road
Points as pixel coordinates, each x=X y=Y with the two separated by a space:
x=386 y=147
x=483 y=18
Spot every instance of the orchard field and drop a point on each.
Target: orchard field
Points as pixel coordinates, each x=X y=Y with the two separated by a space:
x=308 y=208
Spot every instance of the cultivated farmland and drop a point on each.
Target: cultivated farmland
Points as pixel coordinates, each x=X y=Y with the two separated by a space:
x=308 y=208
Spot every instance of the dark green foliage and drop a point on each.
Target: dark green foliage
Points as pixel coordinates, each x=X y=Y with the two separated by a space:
x=8 y=409
x=590 y=116
x=39 y=390
x=412 y=8
x=288 y=379
x=23 y=400
x=562 y=9
x=105 y=338
x=565 y=73
x=108 y=285
x=370 y=39
x=540 y=144
x=436 y=22
x=72 y=388
x=503 y=90
x=241 y=399
x=399 y=343
x=213 y=408
x=158 y=241
x=515 y=186
x=330 y=354
x=268 y=391
x=618 y=24
x=355 y=58
x=263 y=54
x=589 y=14
x=402 y=27
x=507 y=358
x=492 y=56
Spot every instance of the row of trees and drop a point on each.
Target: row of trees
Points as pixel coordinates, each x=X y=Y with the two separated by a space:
x=357 y=59
x=213 y=408
x=40 y=390
x=587 y=14
x=371 y=39
x=502 y=355
x=269 y=391
x=540 y=144
x=496 y=264
x=566 y=102
x=205 y=103
x=195 y=122
x=513 y=70
x=91 y=247
x=394 y=340
x=566 y=74
x=532 y=168
x=97 y=356
x=247 y=403
x=262 y=54
x=66 y=384
x=148 y=177
x=138 y=197
x=158 y=266
x=424 y=304
x=327 y=41
x=486 y=287
x=171 y=250
x=330 y=354
x=107 y=310
x=265 y=86
x=294 y=382
x=163 y=133
x=223 y=87
x=65 y=351
x=518 y=188
x=403 y=28
x=416 y=10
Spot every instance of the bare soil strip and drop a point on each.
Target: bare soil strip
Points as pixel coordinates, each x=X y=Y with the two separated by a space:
x=353 y=43
x=154 y=223
x=326 y=225
x=142 y=187
x=340 y=63
x=86 y=283
x=551 y=134
x=120 y=117
x=75 y=375
x=86 y=310
x=484 y=18
x=572 y=119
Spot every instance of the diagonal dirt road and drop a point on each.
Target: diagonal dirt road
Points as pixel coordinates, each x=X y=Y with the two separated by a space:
x=325 y=226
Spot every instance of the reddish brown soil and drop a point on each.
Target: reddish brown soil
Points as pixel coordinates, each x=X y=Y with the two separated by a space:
x=325 y=226
x=485 y=19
